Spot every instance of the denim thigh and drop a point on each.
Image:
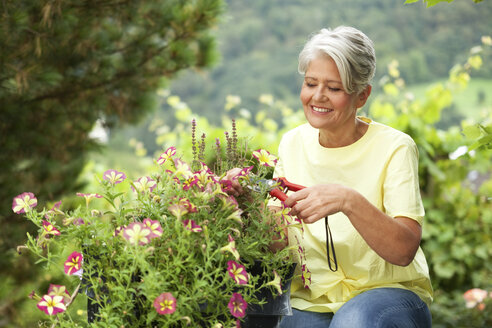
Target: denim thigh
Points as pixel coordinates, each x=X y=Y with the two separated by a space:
x=306 y=319
x=375 y=308
x=383 y=307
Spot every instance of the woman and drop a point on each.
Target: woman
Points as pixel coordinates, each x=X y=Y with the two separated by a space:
x=362 y=177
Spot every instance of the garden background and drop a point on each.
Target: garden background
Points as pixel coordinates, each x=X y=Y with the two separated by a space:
x=93 y=85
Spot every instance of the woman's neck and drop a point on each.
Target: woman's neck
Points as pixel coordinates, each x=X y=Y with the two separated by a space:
x=345 y=137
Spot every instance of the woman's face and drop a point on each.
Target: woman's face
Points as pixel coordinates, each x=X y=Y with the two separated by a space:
x=326 y=104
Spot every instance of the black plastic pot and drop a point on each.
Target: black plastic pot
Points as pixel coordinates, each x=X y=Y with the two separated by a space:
x=270 y=314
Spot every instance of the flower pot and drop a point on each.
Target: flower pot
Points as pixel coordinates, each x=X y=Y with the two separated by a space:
x=269 y=315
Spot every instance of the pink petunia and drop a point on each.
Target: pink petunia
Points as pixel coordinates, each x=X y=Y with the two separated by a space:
x=73 y=264
x=231 y=248
x=114 y=177
x=265 y=158
x=52 y=305
x=276 y=282
x=226 y=185
x=59 y=290
x=182 y=169
x=144 y=184
x=237 y=305
x=168 y=154
x=88 y=197
x=54 y=210
x=178 y=210
x=24 y=202
x=137 y=233
x=189 y=205
x=190 y=182
x=154 y=226
x=165 y=303
x=306 y=276
x=205 y=176
x=237 y=272
x=49 y=229
x=192 y=226
x=244 y=172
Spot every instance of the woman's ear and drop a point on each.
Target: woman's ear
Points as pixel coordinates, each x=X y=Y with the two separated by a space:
x=363 y=95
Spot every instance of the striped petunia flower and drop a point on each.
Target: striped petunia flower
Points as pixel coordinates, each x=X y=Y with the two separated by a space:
x=88 y=197
x=265 y=158
x=231 y=248
x=144 y=184
x=137 y=233
x=24 y=202
x=49 y=229
x=276 y=282
x=114 y=177
x=59 y=290
x=237 y=272
x=192 y=226
x=54 y=210
x=73 y=264
x=52 y=305
x=154 y=226
x=168 y=154
x=237 y=305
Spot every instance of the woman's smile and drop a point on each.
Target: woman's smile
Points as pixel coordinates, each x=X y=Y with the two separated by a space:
x=321 y=109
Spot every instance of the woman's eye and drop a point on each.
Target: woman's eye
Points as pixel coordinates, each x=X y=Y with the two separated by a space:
x=334 y=89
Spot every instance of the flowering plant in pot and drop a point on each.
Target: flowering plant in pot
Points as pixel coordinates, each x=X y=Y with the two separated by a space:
x=168 y=249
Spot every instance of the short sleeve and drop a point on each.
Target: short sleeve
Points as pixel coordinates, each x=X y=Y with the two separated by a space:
x=401 y=191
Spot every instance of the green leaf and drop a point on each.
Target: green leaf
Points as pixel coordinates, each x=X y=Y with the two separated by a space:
x=445 y=270
x=431 y=3
x=410 y=1
x=472 y=131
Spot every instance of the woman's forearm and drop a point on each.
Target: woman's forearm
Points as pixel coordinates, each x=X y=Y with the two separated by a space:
x=394 y=239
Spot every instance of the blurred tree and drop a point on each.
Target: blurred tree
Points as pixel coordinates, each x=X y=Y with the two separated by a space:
x=64 y=64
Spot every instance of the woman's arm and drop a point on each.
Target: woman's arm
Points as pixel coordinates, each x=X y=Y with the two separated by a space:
x=394 y=239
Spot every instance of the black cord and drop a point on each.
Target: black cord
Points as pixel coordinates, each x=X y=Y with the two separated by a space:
x=329 y=244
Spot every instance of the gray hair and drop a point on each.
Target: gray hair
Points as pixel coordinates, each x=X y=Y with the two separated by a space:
x=352 y=51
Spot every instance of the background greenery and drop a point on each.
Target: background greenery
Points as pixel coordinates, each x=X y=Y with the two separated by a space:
x=426 y=57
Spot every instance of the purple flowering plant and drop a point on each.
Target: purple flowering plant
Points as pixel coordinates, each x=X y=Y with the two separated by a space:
x=174 y=249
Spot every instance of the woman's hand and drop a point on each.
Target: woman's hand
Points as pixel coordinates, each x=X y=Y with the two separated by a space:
x=313 y=203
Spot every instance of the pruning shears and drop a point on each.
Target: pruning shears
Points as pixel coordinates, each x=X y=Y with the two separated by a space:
x=276 y=187
x=283 y=185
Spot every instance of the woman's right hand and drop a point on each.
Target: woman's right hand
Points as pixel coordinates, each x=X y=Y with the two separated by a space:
x=236 y=188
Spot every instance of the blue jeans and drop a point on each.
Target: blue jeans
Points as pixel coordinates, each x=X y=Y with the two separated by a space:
x=375 y=308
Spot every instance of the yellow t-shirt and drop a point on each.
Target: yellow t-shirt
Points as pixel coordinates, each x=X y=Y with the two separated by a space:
x=383 y=167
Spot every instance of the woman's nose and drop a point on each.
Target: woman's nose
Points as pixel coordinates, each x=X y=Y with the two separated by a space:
x=319 y=94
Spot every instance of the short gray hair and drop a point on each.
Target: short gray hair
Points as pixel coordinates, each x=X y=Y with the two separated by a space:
x=352 y=51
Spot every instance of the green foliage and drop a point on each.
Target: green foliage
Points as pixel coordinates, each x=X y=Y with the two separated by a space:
x=65 y=64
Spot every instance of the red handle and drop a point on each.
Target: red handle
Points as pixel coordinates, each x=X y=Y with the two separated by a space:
x=278 y=194
x=289 y=185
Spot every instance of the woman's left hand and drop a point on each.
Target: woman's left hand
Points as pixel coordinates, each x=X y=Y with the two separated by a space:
x=313 y=203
